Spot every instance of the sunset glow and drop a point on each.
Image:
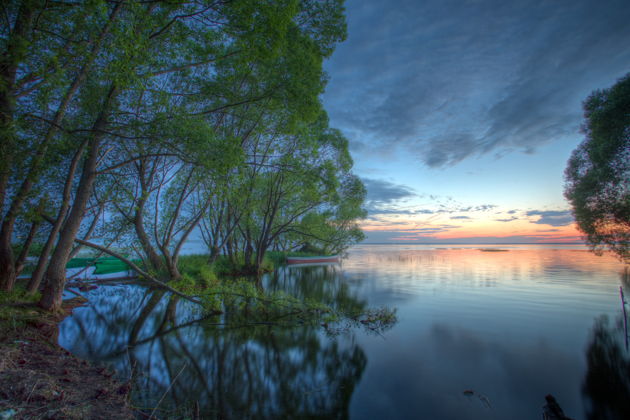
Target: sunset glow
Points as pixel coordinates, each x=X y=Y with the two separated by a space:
x=486 y=228
x=460 y=125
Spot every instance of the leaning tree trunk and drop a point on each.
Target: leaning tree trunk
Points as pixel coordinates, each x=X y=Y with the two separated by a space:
x=23 y=22
x=10 y=60
x=42 y=263
x=56 y=272
x=26 y=246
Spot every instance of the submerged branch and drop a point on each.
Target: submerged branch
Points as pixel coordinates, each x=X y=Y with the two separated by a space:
x=138 y=270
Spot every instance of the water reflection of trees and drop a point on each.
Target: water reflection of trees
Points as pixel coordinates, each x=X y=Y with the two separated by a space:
x=606 y=386
x=319 y=283
x=225 y=371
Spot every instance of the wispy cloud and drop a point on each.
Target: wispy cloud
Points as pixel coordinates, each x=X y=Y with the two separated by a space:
x=510 y=219
x=483 y=207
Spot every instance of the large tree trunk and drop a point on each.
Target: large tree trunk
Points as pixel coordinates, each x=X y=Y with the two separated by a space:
x=42 y=262
x=154 y=259
x=138 y=218
x=7 y=262
x=56 y=272
x=215 y=251
x=171 y=265
x=9 y=62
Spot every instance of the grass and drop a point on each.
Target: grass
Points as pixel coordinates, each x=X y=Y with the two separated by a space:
x=17 y=308
x=224 y=266
x=197 y=273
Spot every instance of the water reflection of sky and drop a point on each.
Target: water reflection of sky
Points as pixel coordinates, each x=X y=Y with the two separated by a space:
x=511 y=326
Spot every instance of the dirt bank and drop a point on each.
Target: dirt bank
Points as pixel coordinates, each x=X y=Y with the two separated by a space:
x=40 y=380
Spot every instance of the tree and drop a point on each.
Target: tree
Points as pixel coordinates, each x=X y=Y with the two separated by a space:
x=168 y=64
x=136 y=121
x=42 y=67
x=598 y=172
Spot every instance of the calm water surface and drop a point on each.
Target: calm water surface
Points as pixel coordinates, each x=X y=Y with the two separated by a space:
x=506 y=327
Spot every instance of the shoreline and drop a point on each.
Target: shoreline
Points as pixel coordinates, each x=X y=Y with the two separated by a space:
x=40 y=379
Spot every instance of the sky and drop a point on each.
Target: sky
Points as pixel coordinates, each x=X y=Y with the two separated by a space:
x=462 y=114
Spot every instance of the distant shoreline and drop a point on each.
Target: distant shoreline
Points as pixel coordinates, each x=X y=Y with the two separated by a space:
x=472 y=243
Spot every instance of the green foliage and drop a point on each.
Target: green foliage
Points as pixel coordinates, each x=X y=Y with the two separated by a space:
x=236 y=265
x=598 y=172
x=196 y=271
x=243 y=301
x=205 y=112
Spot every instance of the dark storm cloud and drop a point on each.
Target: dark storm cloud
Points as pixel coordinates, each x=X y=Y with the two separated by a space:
x=380 y=191
x=552 y=217
x=450 y=79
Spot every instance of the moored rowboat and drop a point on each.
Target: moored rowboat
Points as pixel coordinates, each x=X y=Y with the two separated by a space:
x=308 y=260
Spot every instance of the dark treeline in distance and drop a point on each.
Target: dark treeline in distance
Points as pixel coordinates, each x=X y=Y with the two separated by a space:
x=128 y=126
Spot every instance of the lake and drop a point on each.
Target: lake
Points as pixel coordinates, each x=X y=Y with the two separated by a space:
x=482 y=332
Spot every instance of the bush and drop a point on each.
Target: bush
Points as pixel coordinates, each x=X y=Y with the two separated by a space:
x=196 y=271
x=224 y=266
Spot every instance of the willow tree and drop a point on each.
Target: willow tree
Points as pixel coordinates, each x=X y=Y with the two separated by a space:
x=209 y=114
x=102 y=90
x=152 y=45
x=301 y=190
x=48 y=49
x=598 y=172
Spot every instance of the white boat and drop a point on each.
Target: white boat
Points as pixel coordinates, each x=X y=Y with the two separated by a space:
x=311 y=260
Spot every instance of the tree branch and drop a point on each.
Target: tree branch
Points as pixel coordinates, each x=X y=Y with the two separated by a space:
x=137 y=269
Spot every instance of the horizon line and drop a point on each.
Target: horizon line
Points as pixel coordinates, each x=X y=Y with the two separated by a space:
x=472 y=243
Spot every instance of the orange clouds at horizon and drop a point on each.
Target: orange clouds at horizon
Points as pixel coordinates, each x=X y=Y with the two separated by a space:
x=443 y=229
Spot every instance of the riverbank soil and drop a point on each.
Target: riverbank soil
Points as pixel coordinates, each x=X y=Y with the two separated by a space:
x=40 y=380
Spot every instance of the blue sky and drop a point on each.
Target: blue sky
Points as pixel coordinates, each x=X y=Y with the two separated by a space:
x=461 y=115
